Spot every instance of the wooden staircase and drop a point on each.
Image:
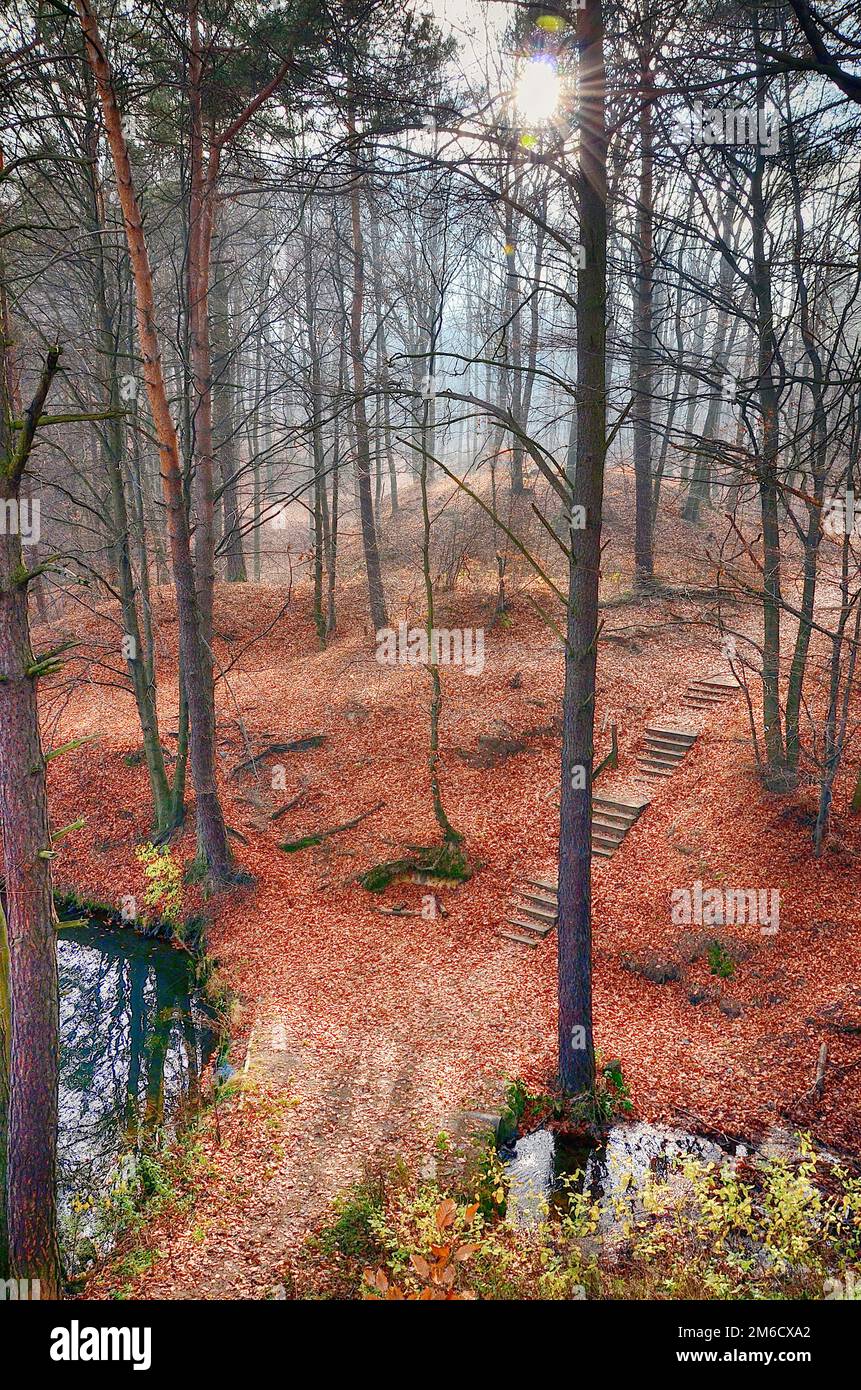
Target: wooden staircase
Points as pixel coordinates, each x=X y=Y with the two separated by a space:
x=612 y=818
x=664 y=749
x=713 y=690
x=532 y=913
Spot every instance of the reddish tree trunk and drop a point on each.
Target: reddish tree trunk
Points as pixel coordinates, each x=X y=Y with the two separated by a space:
x=196 y=662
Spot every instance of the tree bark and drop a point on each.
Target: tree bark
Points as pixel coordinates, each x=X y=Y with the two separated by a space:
x=382 y=359
x=576 y=1045
x=34 y=1051
x=5 y=1060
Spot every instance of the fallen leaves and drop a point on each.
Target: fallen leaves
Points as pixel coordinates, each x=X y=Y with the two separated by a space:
x=388 y=1025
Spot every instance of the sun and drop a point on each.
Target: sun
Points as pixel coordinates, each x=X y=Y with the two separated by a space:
x=538 y=90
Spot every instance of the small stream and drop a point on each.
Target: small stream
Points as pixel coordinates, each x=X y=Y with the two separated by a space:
x=134 y=1040
x=614 y=1173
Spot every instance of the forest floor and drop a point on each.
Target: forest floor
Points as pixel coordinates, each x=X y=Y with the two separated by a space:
x=364 y=1032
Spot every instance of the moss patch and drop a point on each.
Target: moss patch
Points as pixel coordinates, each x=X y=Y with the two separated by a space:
x=446 y=862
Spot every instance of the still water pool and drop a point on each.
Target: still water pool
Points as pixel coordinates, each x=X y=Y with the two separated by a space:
x=135 y=1038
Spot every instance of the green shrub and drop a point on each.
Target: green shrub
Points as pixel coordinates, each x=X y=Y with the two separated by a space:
x=721 y=962
x=163 y=893
x=755 y=1229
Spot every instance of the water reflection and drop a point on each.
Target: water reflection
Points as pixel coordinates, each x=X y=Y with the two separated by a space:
x=133 y=1041
x=615 y=1173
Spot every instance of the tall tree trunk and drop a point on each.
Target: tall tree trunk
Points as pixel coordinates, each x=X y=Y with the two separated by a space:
x=255 y=446
x=34 y=1052
x=317 y=450
x=5 y=1060
x=199 y=268
x=534 y=320
x=818 y=470
x=141 y=670
x=513 y=377
x=449 y=834
x=376 y=596
x=767 y=353
x=333 y=512
x=643 y=362
x=699 y=494
x=576 y=1045
x=382 y=358
x=224 y=426
x=195 y=657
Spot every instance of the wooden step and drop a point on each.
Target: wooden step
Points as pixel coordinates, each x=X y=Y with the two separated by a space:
x=719 y=682
x=612 y=818
x=688 y=736
x=549 y=884
x=630 y=809
x=517 y=936
x=543 y=899
x=607 y=829
x=601 y=842
x=540 y=928
x=654 y=771
x=599 y=823
x=657 y=756
x=670 y=745
x=540 y=914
